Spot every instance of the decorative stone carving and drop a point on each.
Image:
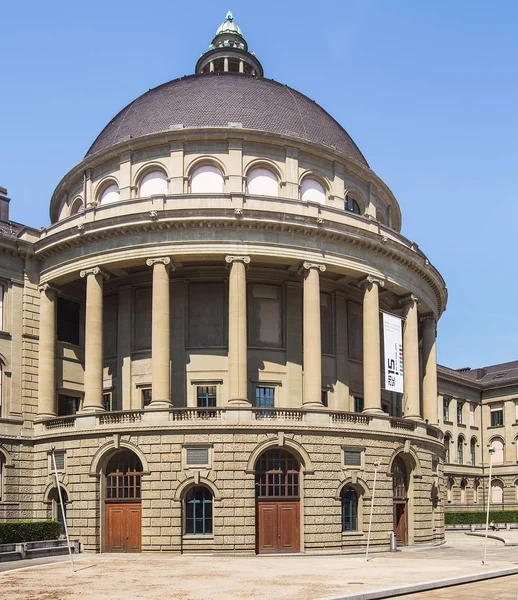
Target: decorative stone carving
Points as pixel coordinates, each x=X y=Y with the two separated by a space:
x=230 y=259
x=94 y=271
x=370 y=279
x=310 y=265
x=165 y=260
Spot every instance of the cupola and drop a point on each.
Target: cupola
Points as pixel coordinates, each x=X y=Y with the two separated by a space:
x=228 y=52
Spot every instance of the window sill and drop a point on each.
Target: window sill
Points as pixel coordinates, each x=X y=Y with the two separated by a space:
x=448 y=422
x=346 y=534
x=461 y=425
x=198 y=536
x=5 y=335
x=496 y=426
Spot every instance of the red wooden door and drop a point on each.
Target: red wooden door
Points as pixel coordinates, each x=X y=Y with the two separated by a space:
x=123 y=527
x=278 y=525
x=400 y=522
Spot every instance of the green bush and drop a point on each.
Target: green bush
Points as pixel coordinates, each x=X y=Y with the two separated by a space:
x=479 y=518
x=16 y=532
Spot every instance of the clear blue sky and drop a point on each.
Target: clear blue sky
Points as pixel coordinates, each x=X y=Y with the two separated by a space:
x=428 y=90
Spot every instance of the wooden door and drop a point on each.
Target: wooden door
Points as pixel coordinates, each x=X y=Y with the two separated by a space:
x=123 y=527
x=278 y=524
x=400 y=522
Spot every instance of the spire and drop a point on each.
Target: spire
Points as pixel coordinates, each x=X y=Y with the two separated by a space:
x=229 y=52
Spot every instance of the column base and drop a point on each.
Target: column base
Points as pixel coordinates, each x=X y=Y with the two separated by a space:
x=413 y=417
x=44 y=416
x=239 y=402
x=159 y=405
x=373 y=411
x=313 y=406
x=92 y=409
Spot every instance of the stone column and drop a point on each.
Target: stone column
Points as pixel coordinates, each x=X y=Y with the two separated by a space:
x=430 y=369
x=312 y=390
x=160 y=331
x=371 y=345
x=237 y=342
x=93 y=400
x=411 y=401
x=47 y=353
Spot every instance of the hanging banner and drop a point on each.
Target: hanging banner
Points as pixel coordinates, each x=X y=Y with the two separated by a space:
x=393 y=346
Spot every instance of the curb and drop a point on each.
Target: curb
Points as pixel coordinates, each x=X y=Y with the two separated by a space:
x=424 y=586
x=492 y=536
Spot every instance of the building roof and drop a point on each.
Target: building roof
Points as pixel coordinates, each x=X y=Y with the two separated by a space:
x=492 y=376
x=10 y=229
x=227 y=100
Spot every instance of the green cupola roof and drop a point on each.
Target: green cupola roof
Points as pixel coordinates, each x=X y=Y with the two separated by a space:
x=229 y=26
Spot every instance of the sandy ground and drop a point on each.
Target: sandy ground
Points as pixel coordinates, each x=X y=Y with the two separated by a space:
x=164 y=577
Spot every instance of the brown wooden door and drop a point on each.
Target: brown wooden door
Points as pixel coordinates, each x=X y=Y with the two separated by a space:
x=400 y=522
x=123 y=527
x=278 y=524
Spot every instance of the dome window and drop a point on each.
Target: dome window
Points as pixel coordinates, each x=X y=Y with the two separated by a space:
x=207 y=180
x=110 y=194
x=153 y=184
x=262 y=182
x=351 y=205
x=77 y=206
x=312 y=191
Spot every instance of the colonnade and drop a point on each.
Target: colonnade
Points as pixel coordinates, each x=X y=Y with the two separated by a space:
x=237 y=343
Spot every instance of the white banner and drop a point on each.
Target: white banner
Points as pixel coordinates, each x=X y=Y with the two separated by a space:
x=393 y=346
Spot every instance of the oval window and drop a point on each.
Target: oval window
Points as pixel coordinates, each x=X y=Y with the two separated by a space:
x=262 y=182
x=312 y=191
x=207 y=180
x=153 y=184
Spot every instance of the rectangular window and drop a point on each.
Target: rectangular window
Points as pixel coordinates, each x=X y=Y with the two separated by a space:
x=459 y=412
x=68 y=405
x=472 y=414
x=325 y=400
x=197 y=456
x=497 y=417
x=265 y=397
x=206 y=314
x=146 y=396
x=435 y=465
x=516 y=412
x=326 y=323
x=206 y=396
x=358 y=404
x=353 y=458
x=445 y=410
x=2 y=289
x=107 y=401
x=68 y=321
x=265 y=315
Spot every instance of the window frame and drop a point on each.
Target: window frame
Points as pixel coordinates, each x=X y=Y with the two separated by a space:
x=460 y=407
x=204 y=533
x=354 y=509
x=446 y=410
x=265 y=387
x=460 y=450
x=494 y=412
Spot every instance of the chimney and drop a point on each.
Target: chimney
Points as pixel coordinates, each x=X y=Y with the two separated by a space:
x=4 y=205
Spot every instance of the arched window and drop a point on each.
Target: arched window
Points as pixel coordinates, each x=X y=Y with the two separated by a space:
x=198 y=511
x=109 y=194
x=497 y=492
x=1 y=375
x=2 y=462
x=516 y=490
x=77 y=206
x=463 y=486
x=262 y=182
x=57 y=513
x=498 y=456
x=447 y=440
x=399 y=479
x=449 y=489
x=153 y=183
x=351 y=205
x=460 y=450
x=123 y=477
x=349 y=499
x=207 y=180
x=473 y=451
x=476 y=486
x=312 y=191
x=277 y=475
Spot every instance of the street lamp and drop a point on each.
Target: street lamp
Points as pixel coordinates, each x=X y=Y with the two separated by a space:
x=491 y=451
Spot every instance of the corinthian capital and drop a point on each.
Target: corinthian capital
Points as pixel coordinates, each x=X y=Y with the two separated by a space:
x=244 y=259
x=162 y=260
x=310 y=265
x=369 y=280
x=94 y=271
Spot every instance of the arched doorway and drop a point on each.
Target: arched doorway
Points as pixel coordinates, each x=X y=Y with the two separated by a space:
x=277 y=490
x=123 y=515
x=56 y=512
x=400 y=500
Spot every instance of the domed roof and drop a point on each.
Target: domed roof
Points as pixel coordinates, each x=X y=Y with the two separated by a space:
x=227 y=100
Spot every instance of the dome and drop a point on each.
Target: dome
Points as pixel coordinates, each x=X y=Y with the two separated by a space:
x=226 y=100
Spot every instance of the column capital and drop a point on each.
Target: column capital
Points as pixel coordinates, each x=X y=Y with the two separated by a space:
x=231 y=258
x=162 y=260
x=369 y=280
x=47 y=287
x=408 y=299
x=428 y=317
x=94 y=271
x=311 y=265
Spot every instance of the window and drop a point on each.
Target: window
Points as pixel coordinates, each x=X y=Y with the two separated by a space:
x=264 y=397
x=153 y=184
x=143 y=318
x=349 y=499
x=262 y=182
x=463 y=486
x=312 y=191
x=123 y=477
x=1 y=386
x=146 y=396
x=460 y=450
x=445 y=410
x=460 y=404
x=473 y=450
x=447 y=440
x=198 y=511
x=435 y=464
x=325 y=400
x=277 y=475
x=206 y=396
x=326 y=323
x=107 y=401
x=476 y=485
x=351 y=205
x=2 y=462
x=207 y=180
x=497 y=417
x=449 y=489
x=57 y=513
x=498 y=455
x=2 y=293
x=352 y=458
x=110 y=194
x=77 y=206
x=358 y=404
x=68 y=321
x=516 y=412
x=265 y=315
x=472 y=408
x=497 y=492
x=68 y=405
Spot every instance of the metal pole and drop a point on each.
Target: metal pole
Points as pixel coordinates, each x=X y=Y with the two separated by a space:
x=52 y=448
x=491 y=451
x=376 y=467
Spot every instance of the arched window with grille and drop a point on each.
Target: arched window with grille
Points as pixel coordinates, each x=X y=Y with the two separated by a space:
x=349 y=500
x=473 y=451
x=123 y=477
x=447 y=441
x=277 y=475
x=198 y=511
x=460 y=450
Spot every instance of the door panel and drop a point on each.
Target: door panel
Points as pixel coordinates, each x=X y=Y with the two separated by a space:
x=288 y=526
x=400 y=522
x=267 y=525
x=278 y=526
x=123 y=527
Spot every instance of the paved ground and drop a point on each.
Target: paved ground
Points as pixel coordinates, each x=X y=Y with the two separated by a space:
x=503 y=588
x=173 y=577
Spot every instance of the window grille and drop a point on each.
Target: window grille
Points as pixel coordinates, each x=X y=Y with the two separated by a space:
x=497 y=417
x=60 y=461
x=460 y=451
x=265 y=397
x=472 y=448
x=277 y=475
x=206 y=396
x=123 y=477
x=349 y=499
x=198 y=511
